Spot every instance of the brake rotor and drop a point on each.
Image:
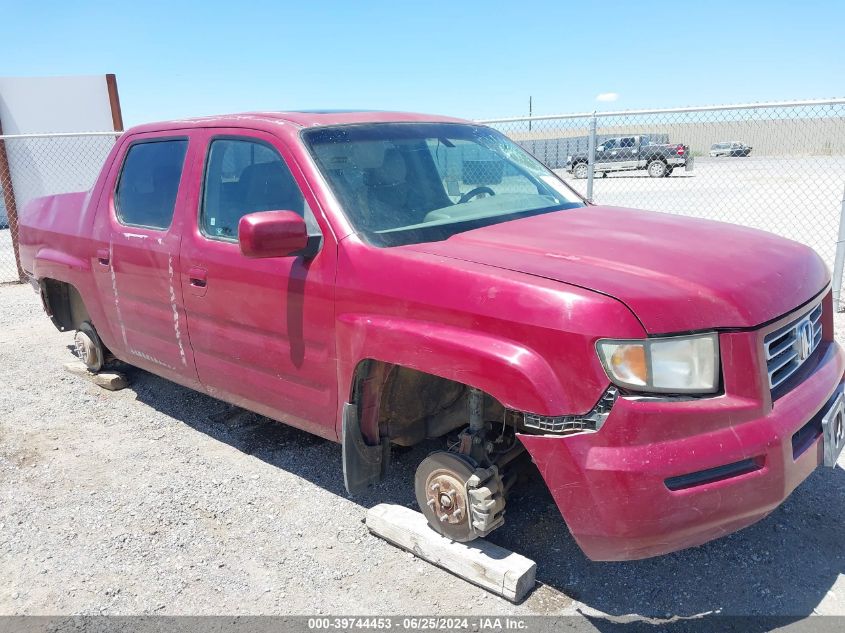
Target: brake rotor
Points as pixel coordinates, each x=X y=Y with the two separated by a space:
x=88 y=347
x=441 y=489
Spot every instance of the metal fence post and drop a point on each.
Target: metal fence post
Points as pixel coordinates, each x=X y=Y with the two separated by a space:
x=840 y=256
x=591 y=158
x=10 y=203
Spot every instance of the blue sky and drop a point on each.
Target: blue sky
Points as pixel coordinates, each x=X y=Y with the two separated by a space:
x=470 y=59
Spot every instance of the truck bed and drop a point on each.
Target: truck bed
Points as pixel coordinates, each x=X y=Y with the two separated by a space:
x=54 y=227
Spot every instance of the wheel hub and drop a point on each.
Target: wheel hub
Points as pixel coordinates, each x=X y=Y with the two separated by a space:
x=441 y=489
x=89 y=347
x=86 y=348
x=459 y=500
x=446 y=496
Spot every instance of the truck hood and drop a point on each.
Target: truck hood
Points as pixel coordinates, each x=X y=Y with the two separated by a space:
x=675 y=273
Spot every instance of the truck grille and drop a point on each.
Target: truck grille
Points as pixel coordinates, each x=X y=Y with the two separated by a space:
x=787 y=348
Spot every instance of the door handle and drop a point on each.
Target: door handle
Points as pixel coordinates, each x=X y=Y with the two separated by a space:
x=103 y=256
x=198 y=279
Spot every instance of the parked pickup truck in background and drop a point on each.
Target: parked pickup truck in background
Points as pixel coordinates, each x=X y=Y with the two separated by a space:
x=381 y=279
x=628 y=153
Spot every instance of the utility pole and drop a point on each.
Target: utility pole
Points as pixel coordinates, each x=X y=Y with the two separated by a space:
x=530 y=112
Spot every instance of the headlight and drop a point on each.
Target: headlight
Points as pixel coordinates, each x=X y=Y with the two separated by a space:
x=676 y=364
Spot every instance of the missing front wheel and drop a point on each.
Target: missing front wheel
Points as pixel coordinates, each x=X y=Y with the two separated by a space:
x=460 y=501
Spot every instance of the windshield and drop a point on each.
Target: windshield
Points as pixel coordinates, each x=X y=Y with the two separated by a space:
x=406 y=183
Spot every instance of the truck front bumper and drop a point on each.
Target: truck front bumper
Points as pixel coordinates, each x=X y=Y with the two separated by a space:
x=723 y=463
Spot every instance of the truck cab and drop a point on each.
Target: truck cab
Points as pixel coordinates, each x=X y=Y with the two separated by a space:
x=621 y=153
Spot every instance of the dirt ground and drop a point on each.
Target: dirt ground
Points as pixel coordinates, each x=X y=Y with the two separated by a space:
x=160 y=500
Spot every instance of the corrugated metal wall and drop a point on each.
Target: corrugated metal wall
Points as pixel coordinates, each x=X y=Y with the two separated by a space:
x=768 y=136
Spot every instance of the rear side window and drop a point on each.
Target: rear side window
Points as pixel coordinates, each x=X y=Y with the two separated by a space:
x=149 y=181
x=242 y=177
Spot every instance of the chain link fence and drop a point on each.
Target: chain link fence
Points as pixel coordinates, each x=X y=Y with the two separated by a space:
x=39 y=165
x=778 y=167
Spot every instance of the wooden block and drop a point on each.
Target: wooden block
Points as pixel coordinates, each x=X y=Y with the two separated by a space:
x=480 y=562
x=110 y=380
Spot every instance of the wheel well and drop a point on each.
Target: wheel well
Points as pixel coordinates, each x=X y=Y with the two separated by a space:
x=408 y=406
x=64 y=304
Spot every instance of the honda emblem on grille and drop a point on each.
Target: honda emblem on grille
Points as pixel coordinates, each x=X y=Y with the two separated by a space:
x=805 y=340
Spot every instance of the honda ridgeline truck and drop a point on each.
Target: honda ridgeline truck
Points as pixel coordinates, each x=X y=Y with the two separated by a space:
x=380 y=279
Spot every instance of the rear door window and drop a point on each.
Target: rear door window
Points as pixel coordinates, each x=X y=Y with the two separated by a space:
x=149 y=181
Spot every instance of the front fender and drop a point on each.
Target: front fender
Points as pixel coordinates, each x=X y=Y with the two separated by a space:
x=514 y=374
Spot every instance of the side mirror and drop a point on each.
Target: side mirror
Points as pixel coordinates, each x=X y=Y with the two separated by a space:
x=272 y=234
x=600 y=148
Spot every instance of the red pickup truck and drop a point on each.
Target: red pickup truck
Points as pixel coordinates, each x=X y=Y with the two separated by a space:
x=380 y=279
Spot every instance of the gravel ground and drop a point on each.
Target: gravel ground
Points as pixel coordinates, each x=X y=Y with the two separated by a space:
x=157 y=499
x=8 y=269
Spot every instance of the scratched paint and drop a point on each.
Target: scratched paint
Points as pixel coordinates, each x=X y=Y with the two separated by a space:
x=175 y=310
x=116 y=297
x=151 y=359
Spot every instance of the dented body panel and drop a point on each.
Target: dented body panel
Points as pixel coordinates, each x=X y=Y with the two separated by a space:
x=613 y=487
x=513 y=309
x=675 y=273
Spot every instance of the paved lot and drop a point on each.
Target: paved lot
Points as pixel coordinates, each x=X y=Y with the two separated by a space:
x=157 y=499
x=797 y=197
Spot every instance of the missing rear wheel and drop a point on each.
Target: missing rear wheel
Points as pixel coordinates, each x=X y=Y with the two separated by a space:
x=89 y=348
